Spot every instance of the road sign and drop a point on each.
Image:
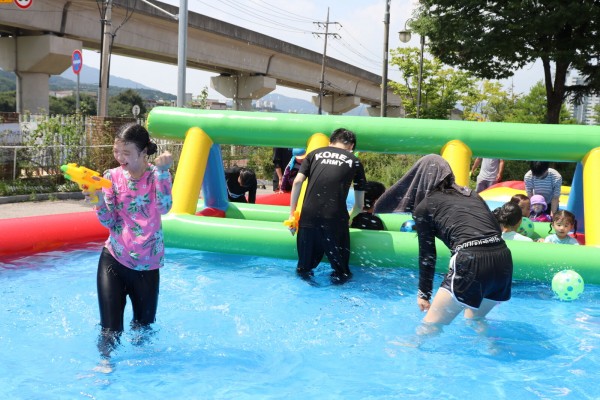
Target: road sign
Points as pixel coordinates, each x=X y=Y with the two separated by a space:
x=77 y=61
x=135 y=110
x=23 y=4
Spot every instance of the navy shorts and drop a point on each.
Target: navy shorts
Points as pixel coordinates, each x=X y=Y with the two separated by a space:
x=477 y=273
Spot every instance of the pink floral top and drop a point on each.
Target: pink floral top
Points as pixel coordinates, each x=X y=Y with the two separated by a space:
x=132 y=213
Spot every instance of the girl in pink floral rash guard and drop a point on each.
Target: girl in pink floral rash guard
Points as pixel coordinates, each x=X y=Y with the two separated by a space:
x=134 y=251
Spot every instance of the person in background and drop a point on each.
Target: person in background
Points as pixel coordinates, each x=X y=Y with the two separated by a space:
x=524 y=203
x=538 y=209
x=509 y=217
x=291 y=170
x=490 y=172
x=239 y=181
x=545 y=181
x=281 y=158
x=367 y=219
x=134 y=251
x=563 y=222
x=481 y=267
x=324 y=226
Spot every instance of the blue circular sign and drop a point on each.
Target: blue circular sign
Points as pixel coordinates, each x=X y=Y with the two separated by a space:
x=77 y=61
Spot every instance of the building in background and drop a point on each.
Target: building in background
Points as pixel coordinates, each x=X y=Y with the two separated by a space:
x=588 y=112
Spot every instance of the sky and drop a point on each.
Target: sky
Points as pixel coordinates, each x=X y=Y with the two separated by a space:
x=360 y=42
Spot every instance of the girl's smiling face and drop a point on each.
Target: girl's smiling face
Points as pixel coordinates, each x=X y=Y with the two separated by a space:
x=562 y=228
x=130 y=158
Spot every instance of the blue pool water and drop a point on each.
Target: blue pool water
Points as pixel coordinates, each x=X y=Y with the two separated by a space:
x=236 y=327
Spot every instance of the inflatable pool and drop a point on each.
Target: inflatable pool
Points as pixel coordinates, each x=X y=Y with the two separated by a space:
x=258 y=229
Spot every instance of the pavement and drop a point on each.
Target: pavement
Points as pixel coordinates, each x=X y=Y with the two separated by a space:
x=19 y=206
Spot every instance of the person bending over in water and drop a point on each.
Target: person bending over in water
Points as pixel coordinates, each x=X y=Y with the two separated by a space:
x=481 y=267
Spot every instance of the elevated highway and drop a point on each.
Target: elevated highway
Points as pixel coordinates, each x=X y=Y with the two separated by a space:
x=39 y=41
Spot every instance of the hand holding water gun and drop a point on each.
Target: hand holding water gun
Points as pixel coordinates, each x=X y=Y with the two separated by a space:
x=88 y=180
x=292 y=222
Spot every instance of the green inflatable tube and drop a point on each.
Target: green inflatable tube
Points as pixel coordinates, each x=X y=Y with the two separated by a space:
x=532 y=261
x=387 y=135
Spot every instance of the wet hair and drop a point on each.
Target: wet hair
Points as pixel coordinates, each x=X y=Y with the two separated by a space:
x=342 y=135
x=138 y=135
x=509 y=214
x=247 y=177
x=564 y=216
x=538 y=168
x=373 y=191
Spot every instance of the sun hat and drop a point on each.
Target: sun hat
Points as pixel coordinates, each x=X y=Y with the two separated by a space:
x=538 y=199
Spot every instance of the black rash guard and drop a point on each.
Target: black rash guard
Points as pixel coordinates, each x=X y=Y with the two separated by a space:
x=237 y=193
x=455 y=219
x=330 y=172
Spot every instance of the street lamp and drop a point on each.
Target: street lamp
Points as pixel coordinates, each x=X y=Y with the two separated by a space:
x=384 y=74
x=405 y=36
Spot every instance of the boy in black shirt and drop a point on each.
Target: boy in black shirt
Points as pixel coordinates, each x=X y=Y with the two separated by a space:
x=324 y=221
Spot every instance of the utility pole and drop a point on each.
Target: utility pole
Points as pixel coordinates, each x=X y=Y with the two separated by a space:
x=102 y=105
x=182 y=52
x=384 y=73
x=335 y=35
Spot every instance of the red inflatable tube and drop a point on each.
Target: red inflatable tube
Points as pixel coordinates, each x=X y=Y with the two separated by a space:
x=30 y=235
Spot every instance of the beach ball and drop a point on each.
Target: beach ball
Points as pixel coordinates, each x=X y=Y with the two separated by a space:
x=567 y=285
x=526 y=228
x=408 y=226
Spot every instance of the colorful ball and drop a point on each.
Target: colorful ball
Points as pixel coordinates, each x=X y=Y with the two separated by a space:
x=408 y=226
x=567 y=285
x=526 y=228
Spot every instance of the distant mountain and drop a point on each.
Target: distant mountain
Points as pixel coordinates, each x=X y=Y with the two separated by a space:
x=293 y=105
x=90 y=75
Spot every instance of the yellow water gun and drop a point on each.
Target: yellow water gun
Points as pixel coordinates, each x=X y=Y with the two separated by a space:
x=86 y=179
x=292 y=222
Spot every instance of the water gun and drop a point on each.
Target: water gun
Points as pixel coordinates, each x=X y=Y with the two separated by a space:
x=292 y=222
x=86 y=179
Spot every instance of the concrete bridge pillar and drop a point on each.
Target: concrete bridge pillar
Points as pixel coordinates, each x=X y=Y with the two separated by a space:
x=336 y=104
x=33 y=59
x=243 y=88
x=392 y=111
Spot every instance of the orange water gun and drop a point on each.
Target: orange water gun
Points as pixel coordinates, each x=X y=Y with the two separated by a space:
x=292 y=222
x=86 y=179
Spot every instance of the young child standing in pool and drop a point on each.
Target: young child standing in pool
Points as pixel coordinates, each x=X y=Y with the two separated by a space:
x=563 y=222
x=134 y=251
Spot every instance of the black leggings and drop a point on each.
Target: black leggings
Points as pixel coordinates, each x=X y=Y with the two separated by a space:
x=115 y=282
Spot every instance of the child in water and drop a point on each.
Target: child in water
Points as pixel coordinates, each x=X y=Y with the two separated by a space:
x=509 y=218
x=367 y=219
x=563 y=223
x=538 y=209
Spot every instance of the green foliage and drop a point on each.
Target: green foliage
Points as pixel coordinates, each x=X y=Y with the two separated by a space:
x=67 y=105
x=8 y=101
x=121 y=105
x=442 y=88
x=56 y=140
x=386 y=168
x=494 y=39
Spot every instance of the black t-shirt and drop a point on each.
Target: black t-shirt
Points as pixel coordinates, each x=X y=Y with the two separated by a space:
x=330 y=172
x=281 y=157
x=236 y=192
x=366 y=220
x=453 y=218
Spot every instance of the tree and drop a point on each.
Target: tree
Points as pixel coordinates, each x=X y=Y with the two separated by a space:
x=8 y=102
x=66 y=105
x=121 y=104
x=442 y=88
x=493 y=39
